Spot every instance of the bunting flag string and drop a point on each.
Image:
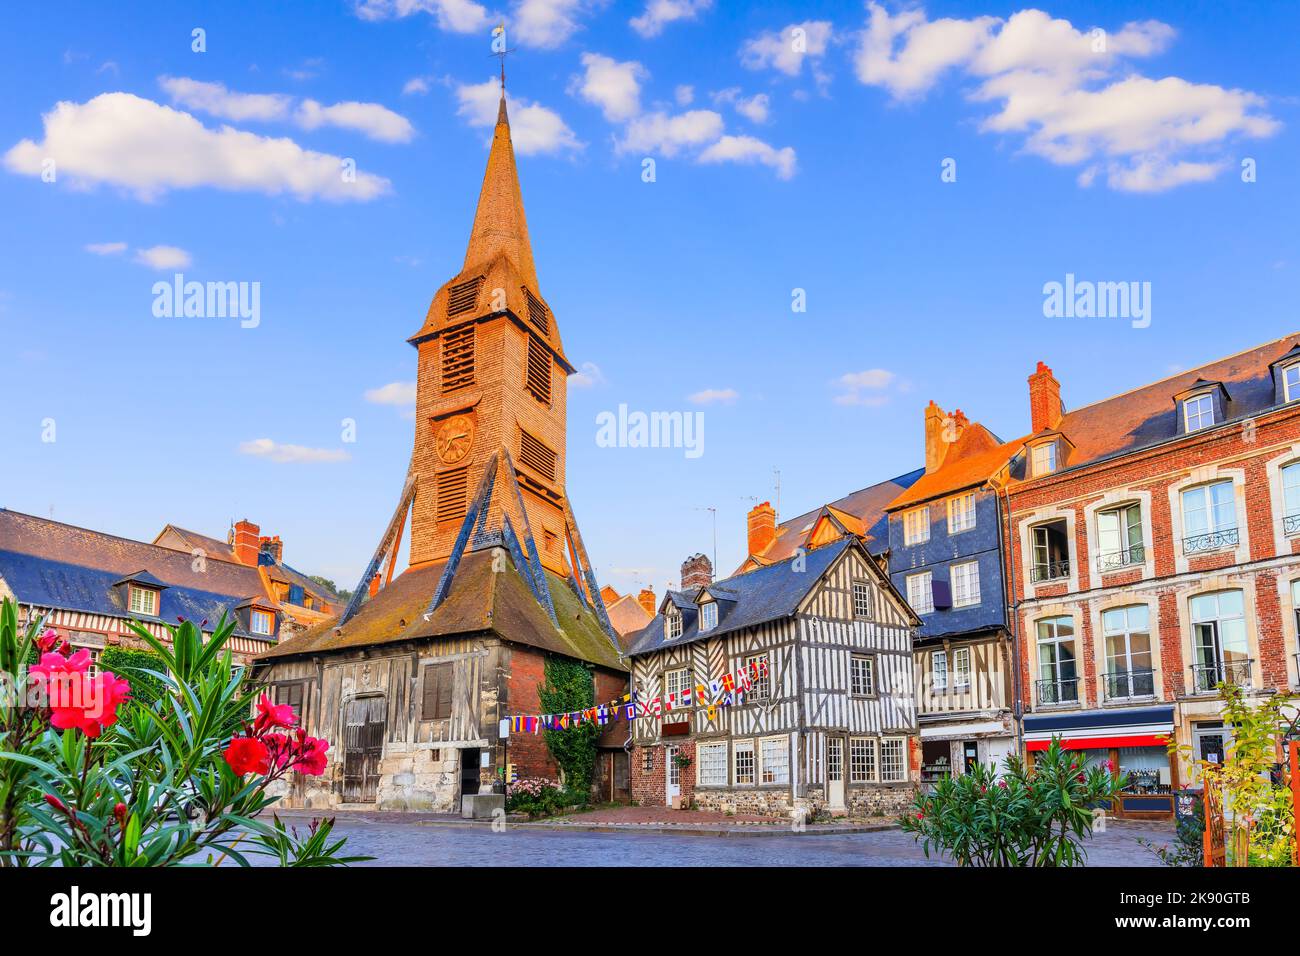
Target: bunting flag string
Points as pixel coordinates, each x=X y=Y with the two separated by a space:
x=719 y=692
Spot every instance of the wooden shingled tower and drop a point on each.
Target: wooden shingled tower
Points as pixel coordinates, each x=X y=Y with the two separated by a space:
x=488 y=466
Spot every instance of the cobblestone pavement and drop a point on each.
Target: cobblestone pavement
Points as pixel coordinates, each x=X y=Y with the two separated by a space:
x=427 y=840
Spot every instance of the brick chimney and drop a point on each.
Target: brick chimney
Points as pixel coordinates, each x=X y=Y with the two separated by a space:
x=272 y=546
x=246 y=541
x=762 y=527
x=647 y=600
x=697 y=572
x=935 y=446
x=608 y=595
x=1044 y=399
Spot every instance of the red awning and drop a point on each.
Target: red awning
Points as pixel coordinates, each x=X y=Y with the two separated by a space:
x=1102 y=743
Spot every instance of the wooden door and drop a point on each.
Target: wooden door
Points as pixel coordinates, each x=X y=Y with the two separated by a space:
x=364 y=720
x=835 y=773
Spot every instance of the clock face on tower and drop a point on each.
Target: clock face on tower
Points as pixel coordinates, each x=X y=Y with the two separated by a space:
x=453 y=438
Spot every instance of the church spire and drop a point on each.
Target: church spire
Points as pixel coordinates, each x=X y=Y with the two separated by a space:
x=499 y=222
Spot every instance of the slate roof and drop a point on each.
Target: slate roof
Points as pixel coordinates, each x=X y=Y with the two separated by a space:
x=765 y=594
x=49 y=564
x=865 y=506
x=480 y=600
x=211 y=547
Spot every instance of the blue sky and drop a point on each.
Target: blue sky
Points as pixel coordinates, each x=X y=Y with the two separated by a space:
x=776 y=169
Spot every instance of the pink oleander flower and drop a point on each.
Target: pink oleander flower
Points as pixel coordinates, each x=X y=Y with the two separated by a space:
x=77 y=700
x=272 y=715
x=248 y=755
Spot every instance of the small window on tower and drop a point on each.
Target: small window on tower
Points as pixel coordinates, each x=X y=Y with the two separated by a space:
x=463 y=296
x=458 y=358
x=538 y=313
x=539 y=370
x=536 y=456
x=452 y=492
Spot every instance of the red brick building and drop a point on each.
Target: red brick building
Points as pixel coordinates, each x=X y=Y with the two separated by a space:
x=1154 y=553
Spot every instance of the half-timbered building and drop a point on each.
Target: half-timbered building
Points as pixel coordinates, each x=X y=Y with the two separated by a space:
x=828 y=723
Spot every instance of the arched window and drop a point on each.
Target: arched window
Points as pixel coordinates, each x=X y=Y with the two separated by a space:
x=1127 y=631
x=1058 y=678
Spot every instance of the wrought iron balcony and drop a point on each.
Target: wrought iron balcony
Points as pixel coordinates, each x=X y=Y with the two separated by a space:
x=1065 y=691
x=1050 y=571
x=1128 y=685
x=1207 y=677
x=1114 y=560
x=1291 y=524
x=1210 y=541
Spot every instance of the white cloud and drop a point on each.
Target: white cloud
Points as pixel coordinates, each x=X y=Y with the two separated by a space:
x=747 y=149
x=714 y=396
x=370 y=119
x=613 y=86
x=417 y=86
x=394 y=393
x=785 y=51
x=533 y=127
x=658 y=132
x=106 y=248
x=146 y=148
x=684 y=94
x=291 y=454
x=215 y=100
x=754 y=108
x=869 y=387
x=1070 y=93
x=547 y=23
x=456 y=16
x=589 y=377
x=163 y=258
x=659 y=13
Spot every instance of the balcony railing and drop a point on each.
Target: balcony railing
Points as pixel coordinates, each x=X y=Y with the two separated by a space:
x=1128 y=685
x=1114 y=560
x=1211 y=541
x=1050 y=571
x=1207 y=677
x=1291 y=524
x=1058 y=691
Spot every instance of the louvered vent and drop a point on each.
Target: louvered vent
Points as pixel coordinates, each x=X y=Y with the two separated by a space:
x=538 y=313
x=463 y=296
x=458 y=358
x=452 y=494
x=536 y=456
x=539 y=370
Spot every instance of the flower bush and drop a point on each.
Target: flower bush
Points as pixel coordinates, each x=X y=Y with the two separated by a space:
x=89 y=776
x=539 y=797
x=1026 y=817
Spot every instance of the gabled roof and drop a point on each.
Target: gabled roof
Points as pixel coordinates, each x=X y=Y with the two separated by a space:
x=49 y=564
x=628 y=616
x=140 y=577
x=865 y=506
x=764 y=594
x=211 y=547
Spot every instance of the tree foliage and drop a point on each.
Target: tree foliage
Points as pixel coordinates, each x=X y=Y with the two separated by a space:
x=569 y=686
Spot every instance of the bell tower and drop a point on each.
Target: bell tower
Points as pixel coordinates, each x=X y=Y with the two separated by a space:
x=492 y=378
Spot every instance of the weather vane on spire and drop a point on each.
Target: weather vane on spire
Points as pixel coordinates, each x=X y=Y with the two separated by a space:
x=499 y=50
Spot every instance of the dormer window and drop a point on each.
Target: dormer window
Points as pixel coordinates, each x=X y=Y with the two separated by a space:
x=673 y=624
x=261 y=622
x=1291 y=382
x=1042 y=459
x=143 y=600
x=1198 y=412
x=708 y=616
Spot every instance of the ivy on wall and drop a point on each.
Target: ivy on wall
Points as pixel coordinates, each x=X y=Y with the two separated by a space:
x=569 y=686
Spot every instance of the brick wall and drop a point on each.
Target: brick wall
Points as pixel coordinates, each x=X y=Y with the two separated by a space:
x=650 y=777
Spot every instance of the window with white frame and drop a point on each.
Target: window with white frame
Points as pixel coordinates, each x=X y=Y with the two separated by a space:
x=774 y=754
x=1291 y=382
x=961 y=513
x=1209 y=512
x=862 y=675
x=762 y=687
x=744 y=763
x=1042 y=459
x=916 y=525
x=939 y=670
x=965 y=583
x=673 y=623
x=1119 y=537
x=862 y=760
x=919 y=592
x=861 y=599
x=961 y=667
x=1198 y=412
x=1057 y=663
x=711 y=761
x=143 y=600
x=708 y=616
x=1291 y=496
x=893 y=760
x=675 y=681
x=261 y=622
